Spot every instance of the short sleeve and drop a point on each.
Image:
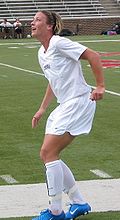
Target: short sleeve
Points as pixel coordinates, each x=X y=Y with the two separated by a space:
x=70 y=48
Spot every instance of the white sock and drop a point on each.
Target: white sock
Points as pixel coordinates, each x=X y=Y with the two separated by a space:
x=70 y=187
x=54 y=174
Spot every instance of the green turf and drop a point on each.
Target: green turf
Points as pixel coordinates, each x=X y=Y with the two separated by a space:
x=91 y=216
x=20 y=96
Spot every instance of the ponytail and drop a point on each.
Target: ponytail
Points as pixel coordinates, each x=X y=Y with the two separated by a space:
x=58 y=23
x=55 y=20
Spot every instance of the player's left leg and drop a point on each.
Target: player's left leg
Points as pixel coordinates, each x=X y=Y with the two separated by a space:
x=47 y=215
x=76 y=210
x=78 y=205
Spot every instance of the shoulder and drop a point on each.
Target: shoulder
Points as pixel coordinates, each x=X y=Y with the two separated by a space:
x=55 y=40
x=64 y=42
x=59 y=42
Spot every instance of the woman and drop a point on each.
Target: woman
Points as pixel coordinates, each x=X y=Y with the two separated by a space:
x=59 y=59
x=18 y=28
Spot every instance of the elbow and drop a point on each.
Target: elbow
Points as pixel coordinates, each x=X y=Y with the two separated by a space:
x=95 y=58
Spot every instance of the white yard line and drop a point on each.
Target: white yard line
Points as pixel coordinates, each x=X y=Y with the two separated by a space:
x=41 y=74
x=110 y=92
x=98 y=41
x=19 y=43
x=82 y=41
x=101 y=173
x=8 y=179
x=28 y=200
x=21 y=69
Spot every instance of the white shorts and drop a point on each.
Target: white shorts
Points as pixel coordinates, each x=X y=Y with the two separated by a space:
x=74 y=116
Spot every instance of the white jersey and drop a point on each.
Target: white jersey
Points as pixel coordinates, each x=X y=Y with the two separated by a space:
x=61 y=66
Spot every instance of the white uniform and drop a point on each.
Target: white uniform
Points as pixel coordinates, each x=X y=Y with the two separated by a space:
x=61 y=66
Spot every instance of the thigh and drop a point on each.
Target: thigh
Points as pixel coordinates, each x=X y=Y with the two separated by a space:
x=53 y=145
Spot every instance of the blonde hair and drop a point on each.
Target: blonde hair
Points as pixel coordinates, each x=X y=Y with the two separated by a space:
x=55 y=20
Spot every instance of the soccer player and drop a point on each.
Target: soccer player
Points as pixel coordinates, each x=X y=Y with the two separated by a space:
x=59 y=59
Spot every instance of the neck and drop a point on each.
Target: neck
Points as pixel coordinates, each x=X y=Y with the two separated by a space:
x=45 y=41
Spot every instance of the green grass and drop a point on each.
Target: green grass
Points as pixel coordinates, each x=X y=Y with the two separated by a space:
x=20 y=96
x=91 y=216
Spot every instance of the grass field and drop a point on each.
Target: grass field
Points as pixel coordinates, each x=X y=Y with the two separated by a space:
x=21 y=92
x=92 y=216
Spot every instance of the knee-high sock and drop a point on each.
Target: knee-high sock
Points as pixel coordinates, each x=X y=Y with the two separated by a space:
x=70 y=187
x=54 y=175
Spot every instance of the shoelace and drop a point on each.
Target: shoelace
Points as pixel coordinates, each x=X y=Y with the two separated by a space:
x=44 y=211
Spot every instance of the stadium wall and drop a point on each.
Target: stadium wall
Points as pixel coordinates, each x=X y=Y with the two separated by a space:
x=87 y=26
x=90 y=26
x=80 y=26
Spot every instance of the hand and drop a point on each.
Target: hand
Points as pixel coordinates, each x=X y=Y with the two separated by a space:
x=37 y=117
x=97 y=93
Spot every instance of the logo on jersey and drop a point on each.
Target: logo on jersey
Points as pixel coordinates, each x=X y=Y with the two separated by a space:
x=47 y=66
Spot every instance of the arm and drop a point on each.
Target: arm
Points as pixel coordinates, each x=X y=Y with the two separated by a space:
x=49 y=95
x=95 y=63
x=9 y=24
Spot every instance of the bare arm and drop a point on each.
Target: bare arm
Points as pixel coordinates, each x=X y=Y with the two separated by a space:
x=49 y=95
x=95 y=63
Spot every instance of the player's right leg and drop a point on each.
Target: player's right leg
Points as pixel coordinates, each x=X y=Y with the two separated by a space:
x=52 y=146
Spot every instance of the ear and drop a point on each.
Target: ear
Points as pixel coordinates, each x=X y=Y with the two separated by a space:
x=49 y=27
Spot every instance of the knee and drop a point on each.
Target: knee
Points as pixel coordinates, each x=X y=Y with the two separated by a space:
x=48 y=155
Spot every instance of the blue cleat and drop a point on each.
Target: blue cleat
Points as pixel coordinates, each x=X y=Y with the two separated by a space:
x=47 y=215
x=76 y=210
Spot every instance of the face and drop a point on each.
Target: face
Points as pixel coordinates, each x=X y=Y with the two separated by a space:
x=39 y=26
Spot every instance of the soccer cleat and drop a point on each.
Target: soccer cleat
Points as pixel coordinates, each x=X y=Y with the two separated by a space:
x=47 y=215
x=76 y=210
